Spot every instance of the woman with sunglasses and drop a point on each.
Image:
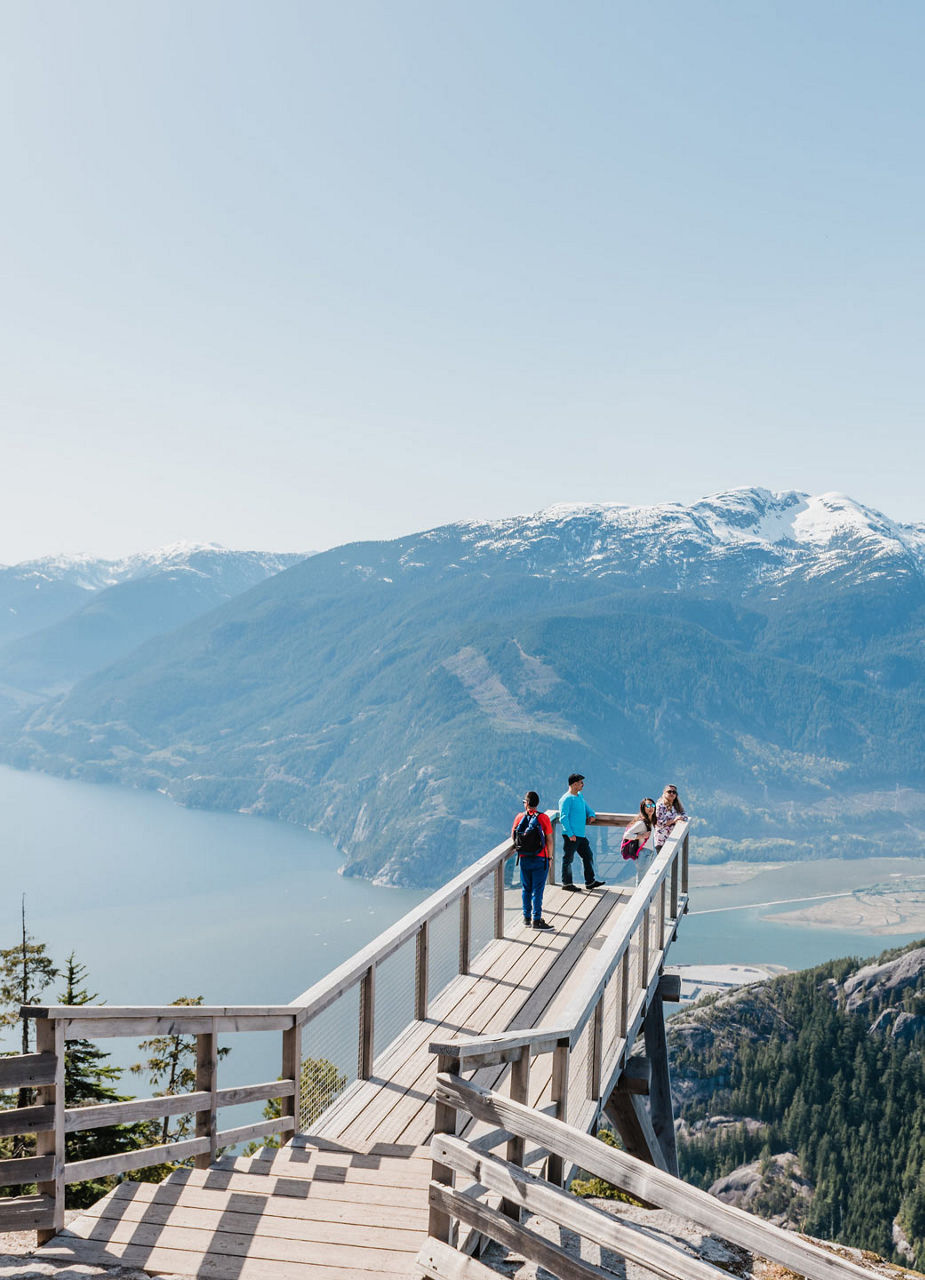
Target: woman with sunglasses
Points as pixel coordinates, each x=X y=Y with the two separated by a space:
x=668 y=811
x=637 y=834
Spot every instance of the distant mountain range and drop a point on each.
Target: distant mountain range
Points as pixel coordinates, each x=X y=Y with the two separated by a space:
x=763 y=650
x=62 y=617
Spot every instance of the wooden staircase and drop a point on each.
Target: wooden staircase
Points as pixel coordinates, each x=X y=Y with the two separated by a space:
x=312 y=1211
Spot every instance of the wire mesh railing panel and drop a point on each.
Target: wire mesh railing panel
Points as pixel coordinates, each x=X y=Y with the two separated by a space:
x=443 y=950
x=609 y=864
x=329 y=1056
x=394 y=994
x=482 y=919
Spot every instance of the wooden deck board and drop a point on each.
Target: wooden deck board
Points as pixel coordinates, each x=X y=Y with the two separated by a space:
x=493 y=1002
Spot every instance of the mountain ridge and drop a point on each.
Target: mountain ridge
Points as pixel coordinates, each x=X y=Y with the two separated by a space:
x=399 y=695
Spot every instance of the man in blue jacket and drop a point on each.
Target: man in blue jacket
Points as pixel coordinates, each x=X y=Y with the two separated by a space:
x=574 y=814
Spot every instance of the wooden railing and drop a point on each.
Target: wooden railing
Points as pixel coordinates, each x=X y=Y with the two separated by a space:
x=592 y=1039
x=356 y=979
x=520 y=1190
x=592 y=1075
x=473 y=901
x=51 y=1120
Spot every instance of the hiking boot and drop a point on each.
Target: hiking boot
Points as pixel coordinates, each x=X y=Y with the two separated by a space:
x=526 y=920
x=571 y=888
x=595 y=884
x=541 y=924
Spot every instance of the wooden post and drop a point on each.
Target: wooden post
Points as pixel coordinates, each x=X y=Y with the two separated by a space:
x=551 y=873
x=674 y=888
x=662 y=897
x=684 y=863
x=440 y=1224
x=50 y=1038
x=624 y=993
x=595 y=1050
x=499 y=900
x=644 y=950
x=465 y=928
x=292 y=1070
x=421 y=971
x=367 y=1023
x=206 y=1081
x=519 y=1092
x=559 y=1093
x=660 y=1104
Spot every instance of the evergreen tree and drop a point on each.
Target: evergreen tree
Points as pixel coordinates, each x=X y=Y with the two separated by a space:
x=26 y=969
x=171 y=1069
x=90 y=1080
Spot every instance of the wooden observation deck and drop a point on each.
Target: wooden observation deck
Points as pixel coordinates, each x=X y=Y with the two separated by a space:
x=434 y=1088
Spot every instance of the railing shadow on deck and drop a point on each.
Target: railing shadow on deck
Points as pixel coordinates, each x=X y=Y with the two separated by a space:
x=329 y=1038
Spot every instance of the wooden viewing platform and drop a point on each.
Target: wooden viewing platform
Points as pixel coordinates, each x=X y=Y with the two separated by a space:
x=481 y=1055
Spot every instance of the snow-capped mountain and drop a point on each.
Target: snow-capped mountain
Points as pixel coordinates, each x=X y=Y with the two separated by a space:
x=38 y=593
x=748 y=536
x=63 y=617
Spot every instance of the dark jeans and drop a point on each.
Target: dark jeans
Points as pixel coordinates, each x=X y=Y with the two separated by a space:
x=580 y=846
x=533 y=872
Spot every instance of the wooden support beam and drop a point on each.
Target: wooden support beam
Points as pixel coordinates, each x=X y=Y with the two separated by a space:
x=628 y=1114
x=660 y=1102
x=636 y=1076
x=50 y=1041
x=669 y=986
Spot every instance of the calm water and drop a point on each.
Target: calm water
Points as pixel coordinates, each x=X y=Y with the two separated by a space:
x=160 y=901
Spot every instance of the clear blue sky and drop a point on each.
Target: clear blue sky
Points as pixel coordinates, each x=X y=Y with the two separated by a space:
x=287 y=274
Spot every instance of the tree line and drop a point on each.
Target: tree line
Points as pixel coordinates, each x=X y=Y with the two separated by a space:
x=850 y=1103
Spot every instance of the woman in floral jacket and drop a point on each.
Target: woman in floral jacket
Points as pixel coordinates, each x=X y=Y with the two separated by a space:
x=668 y=811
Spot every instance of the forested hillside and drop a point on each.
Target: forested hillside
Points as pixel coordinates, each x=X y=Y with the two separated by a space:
x=803 y=1098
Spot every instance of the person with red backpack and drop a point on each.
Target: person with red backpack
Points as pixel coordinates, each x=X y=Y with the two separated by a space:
x=532 y=837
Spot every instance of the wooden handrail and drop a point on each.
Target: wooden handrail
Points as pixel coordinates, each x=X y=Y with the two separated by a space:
x=79 y=1012
x=646 y=1183
x=326 y=991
